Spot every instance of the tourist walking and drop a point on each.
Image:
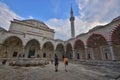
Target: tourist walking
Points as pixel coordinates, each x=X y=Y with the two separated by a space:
x=56 y=63
x=66 y=63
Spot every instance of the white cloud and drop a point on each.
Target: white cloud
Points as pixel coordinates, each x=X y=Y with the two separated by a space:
x=6 y=15
x=92 y=13
x=82 y=26
x=31 y=17
x=61 y=27
x=98 y=10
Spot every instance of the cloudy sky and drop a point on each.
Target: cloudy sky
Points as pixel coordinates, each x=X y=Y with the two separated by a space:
x=56 y=13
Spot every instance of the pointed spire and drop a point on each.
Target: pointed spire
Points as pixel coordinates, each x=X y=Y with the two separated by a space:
x=71 y=12
x=72 y=23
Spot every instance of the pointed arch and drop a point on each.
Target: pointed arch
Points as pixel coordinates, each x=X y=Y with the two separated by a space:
x=94 y=42
x=69 y=51
x=115 y=37
x=12 y=47
x=79 y=49
x=48 y=50
x=32 y=48
x=60 y=50
x=78 y=44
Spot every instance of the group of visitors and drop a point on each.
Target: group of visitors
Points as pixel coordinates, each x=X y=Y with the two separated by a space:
x=57 y=62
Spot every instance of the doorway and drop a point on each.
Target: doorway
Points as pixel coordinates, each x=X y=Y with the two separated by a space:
x=44 y=55
x=78 y=56
x=31 y=54
x=15 y=54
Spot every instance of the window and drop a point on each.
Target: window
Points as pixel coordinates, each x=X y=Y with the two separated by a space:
x=15 y=54
x=44 y=55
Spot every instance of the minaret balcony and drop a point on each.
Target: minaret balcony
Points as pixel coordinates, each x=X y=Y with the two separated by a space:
x=72 y=18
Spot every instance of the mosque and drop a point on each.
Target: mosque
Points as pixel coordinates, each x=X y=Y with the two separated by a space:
x=34 y=39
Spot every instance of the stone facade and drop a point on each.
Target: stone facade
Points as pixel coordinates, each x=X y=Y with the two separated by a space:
x=99 y=43
x=29 y=39
x=34 y=39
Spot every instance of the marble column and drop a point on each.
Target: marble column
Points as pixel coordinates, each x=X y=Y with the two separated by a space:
x=86 y=54
x=102 y=48
x=23 y=51
x=73 y=54
x=111 y=50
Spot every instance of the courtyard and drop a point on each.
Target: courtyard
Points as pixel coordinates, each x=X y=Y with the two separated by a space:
x=76 y=71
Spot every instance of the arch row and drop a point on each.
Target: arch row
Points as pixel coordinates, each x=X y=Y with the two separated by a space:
x=112 y=31
x=13 y=47
x=97 y=47
x=115 y=40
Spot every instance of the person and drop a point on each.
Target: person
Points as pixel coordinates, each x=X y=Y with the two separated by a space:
x=56 y=63
x=66 y=63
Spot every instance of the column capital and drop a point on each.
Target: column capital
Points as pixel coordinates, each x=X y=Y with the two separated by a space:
x=73 y=53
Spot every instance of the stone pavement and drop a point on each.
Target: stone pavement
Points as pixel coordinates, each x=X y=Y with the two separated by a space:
x=75 y=72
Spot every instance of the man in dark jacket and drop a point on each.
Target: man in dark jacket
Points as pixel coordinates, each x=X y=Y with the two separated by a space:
x=56 y=63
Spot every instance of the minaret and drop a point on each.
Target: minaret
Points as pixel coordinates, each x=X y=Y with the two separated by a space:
x=72 y=23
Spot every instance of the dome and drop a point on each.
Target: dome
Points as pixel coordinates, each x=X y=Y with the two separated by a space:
x=36 y=23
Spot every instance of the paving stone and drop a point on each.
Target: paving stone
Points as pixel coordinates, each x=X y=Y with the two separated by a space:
x=75 y=72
